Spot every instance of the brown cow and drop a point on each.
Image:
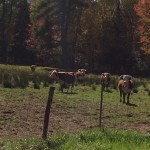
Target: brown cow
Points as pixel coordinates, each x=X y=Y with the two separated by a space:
x=105 y=79
x=33 y=67
x=125 y=85
x=80 y=74
x=65 y=79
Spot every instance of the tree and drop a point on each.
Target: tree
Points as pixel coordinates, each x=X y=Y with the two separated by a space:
x=71 y=11
x=45 y=32
x=13 y=20
x=21 y=17
x=143 y=31
x=142 y=10
x=61 y=18
x=2 y=31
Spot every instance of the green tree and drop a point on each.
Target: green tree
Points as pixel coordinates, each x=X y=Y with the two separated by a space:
x=71 y=11
x=45 y=32
x=2 y=31
x=14 y=18
x=54 y=26
x=143 y=33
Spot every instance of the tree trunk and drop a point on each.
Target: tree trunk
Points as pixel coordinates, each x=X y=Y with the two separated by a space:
x=67 y=60
x=3 y=57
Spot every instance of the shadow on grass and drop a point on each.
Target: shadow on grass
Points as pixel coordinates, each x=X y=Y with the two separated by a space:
x=57 y=143
x=108 y=91
x=70 y=93
x=54 y=145
x=130 y=104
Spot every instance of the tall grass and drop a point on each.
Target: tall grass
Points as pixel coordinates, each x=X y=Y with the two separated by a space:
x=91 y=140
x=20 y=76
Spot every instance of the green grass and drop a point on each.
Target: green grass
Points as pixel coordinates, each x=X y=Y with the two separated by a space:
x=77 y=115
x=84 y=103
x=91 y=140
x=12 y=76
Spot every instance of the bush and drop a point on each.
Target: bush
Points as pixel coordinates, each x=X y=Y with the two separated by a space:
x=94 y=87
x=114 y=82
x=135 y=90
x=36 y=82
x=7 y=82
x=20 y=76
x=91 y=79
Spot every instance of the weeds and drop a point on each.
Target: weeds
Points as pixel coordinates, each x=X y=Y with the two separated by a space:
x=94 y=139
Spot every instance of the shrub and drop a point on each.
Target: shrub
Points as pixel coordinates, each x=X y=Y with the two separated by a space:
x=94 y=87
x=91 y=79
x=19 y=76
x=36 y=85
x=114 y=82
x=24 y=82
x=148 y=93
x=7 y=81
x=135 y=90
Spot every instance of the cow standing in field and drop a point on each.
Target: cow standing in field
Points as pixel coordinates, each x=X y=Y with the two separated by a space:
x=80 y=74
x=33 y=67
x=105 y=79
x=83 y=71
x=65 y=79
x=125 y=86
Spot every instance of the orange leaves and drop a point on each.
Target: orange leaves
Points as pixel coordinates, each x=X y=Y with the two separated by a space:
x=142 y=10
x=140 y=28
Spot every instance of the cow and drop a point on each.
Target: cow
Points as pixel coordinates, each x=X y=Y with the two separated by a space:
x=65 y=79
x=80 y=73
x=83 y=71
x=125 y=85
x=105 y=80
x=33 y=67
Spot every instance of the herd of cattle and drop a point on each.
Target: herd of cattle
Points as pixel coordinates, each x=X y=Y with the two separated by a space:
x=68 y=80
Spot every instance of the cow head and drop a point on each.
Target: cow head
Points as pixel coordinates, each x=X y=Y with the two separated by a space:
x=82 y=71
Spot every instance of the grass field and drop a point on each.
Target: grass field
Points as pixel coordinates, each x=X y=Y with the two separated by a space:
x=74 y=119
x=89 y=140
x=22 y=112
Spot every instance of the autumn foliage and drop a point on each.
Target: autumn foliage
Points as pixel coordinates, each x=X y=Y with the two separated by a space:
x=143 y=11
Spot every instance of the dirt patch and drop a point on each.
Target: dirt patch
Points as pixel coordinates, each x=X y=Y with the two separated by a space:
x=25 y=119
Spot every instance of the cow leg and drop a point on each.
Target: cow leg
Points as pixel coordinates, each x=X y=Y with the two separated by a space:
x=120 y=96
x=128 y=96
x=107 y=88
x=61 y=88
x=124 y=96
x=67 y=88
x=71 y=89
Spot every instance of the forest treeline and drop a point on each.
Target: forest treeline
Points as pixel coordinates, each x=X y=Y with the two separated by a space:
x=99 y=35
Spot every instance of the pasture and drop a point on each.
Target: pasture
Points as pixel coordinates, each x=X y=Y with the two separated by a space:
x=22 y=112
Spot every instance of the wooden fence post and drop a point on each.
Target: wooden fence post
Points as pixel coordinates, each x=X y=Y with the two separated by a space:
x=101 y=106
x=47 y=112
